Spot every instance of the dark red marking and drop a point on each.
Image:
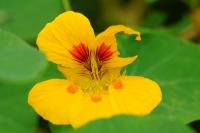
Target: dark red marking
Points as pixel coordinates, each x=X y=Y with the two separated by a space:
x=104 y=52
x=80 y=53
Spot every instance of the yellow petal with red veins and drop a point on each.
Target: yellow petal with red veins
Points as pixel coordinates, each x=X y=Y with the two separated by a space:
x=58 y=37
x=108 y=36
x=137 y=95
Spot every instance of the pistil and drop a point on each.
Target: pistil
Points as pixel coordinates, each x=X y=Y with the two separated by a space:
x=94 y=69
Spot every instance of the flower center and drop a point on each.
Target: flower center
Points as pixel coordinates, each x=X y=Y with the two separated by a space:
x=92 y=68
x=92 y=60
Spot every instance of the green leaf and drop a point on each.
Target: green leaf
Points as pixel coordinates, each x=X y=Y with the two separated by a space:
x=175 y=65
x=19 y=61
x=15 y=114
x=25 y=18
x=128 y=124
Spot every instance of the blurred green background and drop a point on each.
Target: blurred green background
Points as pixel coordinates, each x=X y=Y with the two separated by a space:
x=169 y=53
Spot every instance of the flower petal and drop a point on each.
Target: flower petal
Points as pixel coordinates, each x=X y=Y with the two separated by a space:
x=118 y=62
x=108 y=36
x=58 y=37
x=74 y=75
x=93 y=111
x=138 y=95
x=53 y=102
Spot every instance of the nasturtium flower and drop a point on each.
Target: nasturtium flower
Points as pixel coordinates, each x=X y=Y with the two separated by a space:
x=94 y=87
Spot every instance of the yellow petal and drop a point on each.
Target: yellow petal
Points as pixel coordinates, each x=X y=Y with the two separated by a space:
x=118 y=62
x=73 y=74
x=51 y=100
x=67 y=30
x=93 y=111
x=108 y=36
x=138 y=95
x=69 y=73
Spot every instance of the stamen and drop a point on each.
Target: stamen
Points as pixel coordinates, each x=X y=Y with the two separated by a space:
x=96 y=98
x=118 y=84
x=72 y=89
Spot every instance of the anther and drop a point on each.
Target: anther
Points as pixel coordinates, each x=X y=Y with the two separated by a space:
x=96 y=98
x=118 y=84
x=72 y=89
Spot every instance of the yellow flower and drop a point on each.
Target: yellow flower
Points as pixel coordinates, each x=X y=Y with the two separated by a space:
x=94 y=87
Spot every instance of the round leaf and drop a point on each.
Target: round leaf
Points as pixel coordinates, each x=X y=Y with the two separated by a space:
x=15 y=114
x=19 y=62
x=128 y=124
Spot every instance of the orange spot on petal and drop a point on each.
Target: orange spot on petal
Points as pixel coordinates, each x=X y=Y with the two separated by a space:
x=96 y=98
x=118 y=84
x=72 y=89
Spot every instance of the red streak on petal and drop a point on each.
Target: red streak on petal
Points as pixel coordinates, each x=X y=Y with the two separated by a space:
x=104 y=52
x=80 y=53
